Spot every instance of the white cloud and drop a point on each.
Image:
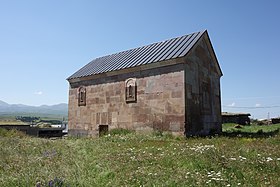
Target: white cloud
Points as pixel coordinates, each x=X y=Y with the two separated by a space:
x=232 y=104
x=258 y=105
x=38 y=93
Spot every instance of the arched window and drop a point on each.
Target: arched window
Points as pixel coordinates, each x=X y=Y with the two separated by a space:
x=82 y=96
x=130 y=90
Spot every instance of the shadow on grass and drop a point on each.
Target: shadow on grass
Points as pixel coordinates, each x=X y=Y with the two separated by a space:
x=258 y=134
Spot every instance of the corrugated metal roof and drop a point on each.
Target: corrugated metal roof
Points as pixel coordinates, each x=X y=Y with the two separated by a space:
x=156 y=52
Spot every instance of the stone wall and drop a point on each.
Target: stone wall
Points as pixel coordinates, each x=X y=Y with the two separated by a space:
x=160 y=102
x=203 y=104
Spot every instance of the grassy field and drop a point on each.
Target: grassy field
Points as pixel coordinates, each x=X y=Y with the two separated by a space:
x=130 y=159
x=230 y=127
x=11 y=119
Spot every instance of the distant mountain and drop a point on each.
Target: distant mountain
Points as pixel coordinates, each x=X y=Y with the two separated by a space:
x=2 y=103
x=59 y=109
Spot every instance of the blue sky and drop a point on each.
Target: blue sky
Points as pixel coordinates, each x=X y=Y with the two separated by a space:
x=44 y=42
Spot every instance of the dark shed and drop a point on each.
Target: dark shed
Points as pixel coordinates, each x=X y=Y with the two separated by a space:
x=239 y=118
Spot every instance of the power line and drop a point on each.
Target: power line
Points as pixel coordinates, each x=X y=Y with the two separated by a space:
x=249 y=107
x=250 y=98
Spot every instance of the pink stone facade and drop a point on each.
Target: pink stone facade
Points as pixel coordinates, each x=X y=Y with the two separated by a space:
x=159 y=104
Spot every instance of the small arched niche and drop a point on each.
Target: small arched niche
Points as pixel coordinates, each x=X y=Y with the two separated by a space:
x=130 y=90
x=82 y=96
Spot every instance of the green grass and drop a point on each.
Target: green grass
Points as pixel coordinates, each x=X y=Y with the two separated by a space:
x=131 y=159
x=230 y=127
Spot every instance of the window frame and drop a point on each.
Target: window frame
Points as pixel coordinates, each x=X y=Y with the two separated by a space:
x=82 y=96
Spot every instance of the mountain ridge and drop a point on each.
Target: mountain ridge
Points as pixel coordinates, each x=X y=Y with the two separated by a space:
x=57 y=109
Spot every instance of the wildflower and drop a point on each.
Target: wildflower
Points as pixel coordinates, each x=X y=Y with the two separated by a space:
x=50 y=153
x=55 y=183
x=38 y=184
x=210 y=173
x=201 y=148
x=51 y=183
x=216 y=179
x=242 y=158
x=133 y=158
x=268 y=159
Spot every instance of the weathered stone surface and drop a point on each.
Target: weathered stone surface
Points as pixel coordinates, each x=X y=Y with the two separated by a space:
x=155 y=96
x=203 y=104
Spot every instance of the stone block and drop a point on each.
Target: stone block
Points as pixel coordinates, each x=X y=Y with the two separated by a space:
x=177 y=94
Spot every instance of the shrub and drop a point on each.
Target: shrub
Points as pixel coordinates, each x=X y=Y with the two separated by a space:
x=3 y=132
x=11 y=133
x=157 y=133
x=57 y=182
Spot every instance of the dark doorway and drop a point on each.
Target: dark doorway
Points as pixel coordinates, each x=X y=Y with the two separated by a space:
x=103 y=130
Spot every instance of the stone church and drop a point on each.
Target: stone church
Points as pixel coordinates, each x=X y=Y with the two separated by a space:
x=172 y=85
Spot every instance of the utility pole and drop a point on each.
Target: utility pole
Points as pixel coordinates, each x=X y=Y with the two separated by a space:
x=268 y=116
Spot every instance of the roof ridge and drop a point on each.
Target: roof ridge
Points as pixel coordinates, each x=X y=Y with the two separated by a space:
x=157 y=51
x=166 y=40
